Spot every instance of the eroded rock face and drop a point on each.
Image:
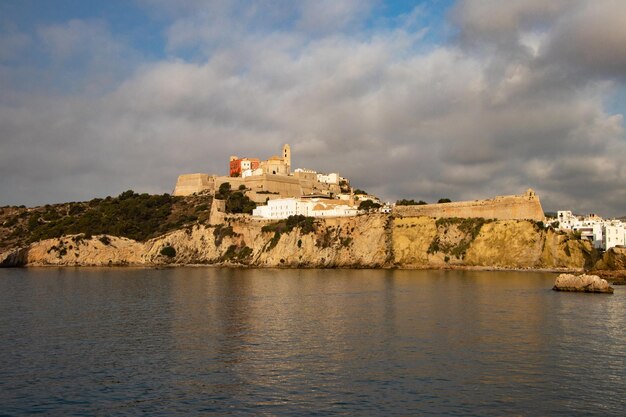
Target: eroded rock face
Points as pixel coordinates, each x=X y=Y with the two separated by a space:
x=348 y=242
x=615 y=259
x=368 y=241
x=582 y=283
x=14 y=257
x=78 y=251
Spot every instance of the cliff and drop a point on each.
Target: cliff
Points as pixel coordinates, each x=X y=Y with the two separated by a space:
x=369 y=241
x=423 y=242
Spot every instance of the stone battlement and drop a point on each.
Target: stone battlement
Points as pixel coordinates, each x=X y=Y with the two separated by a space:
x=510 y=207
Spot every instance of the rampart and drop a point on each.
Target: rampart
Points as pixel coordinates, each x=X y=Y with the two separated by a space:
x=510 y=207
x=259 y=187
x=188 y=184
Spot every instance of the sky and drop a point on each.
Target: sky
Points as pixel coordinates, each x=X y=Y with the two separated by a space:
x=419 y=100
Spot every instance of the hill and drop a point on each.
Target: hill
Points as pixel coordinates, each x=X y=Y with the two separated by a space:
x=131 y=215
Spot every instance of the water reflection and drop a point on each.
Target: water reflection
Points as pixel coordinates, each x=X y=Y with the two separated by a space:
x=243 y=341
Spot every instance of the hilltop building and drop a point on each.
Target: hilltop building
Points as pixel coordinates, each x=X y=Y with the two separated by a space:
x=263 y=180
x=310 y=193
x=239 y=165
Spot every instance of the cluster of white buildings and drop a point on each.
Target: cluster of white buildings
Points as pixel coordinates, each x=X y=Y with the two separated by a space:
x=604 y=234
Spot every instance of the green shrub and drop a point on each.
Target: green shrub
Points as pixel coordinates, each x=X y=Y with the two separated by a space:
x=304 y=223
x=369 y=205
x=222 y=231
x=326 y=239
x=12 y=221
x=105 y=240
x=469 y=226
x=274 y=241
x=434 y=246
x=168 y=251
x=405 y=202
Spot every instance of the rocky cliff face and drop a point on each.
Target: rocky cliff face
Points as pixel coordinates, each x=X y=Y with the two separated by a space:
x=369 y=241
x=77 y=251
x=349 y=242
x=614 y=259
x=423 y=242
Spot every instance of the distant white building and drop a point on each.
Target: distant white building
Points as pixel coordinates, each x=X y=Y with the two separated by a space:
x=282 y=208
x=328 y=178
x=604 y=234
x=613 y=234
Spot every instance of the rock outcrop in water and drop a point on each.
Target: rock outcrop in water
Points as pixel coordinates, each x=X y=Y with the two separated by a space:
x=582 y=283
x=365 y=241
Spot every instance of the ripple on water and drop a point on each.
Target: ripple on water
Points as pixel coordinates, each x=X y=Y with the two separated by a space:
x=313 y=342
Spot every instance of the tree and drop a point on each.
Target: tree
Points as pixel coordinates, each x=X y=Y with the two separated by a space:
x=444 y=200
x=411 y=202
x=369 y=205
x=224 y=191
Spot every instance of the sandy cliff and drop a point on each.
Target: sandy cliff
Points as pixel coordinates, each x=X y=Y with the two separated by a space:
x=364 y=241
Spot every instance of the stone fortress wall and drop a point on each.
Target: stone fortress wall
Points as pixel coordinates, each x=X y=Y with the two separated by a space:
x=188 y=184
x=510 y=207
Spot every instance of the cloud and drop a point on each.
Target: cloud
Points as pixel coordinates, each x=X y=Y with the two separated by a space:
x=463 y=119
x=592 y=41
x=328 y=16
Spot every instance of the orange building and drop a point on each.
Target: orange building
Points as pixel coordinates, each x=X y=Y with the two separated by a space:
x=238 y=165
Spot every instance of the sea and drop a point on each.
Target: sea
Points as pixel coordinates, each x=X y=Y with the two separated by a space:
x=316 y=342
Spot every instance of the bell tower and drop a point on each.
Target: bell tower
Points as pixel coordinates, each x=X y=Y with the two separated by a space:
x=287 y=157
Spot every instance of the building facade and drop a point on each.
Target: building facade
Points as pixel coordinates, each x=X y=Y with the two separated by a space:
x=239 y=165
x=604 y=234
x=311 y=207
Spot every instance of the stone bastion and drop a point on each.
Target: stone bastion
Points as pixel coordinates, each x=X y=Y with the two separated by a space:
x=510 y=207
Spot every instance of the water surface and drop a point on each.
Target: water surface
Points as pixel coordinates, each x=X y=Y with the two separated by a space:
x=190 y=341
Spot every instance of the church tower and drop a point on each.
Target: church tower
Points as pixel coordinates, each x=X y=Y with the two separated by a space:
x=287 y=157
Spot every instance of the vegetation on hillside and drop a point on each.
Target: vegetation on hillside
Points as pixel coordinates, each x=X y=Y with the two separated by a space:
x=304 y=223
x=469 y=228
x=236 y=201
x=135 y=216
x=369 y=205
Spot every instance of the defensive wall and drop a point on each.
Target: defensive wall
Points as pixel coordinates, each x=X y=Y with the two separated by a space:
x=510 y=207
x=188 y=184
x=259 y=187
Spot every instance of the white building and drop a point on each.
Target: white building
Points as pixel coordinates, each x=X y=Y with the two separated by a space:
x=566 y=219
x=282 y=208
x=332 y=178
x=251 y=172
x=604 y=234
x=613 y=234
